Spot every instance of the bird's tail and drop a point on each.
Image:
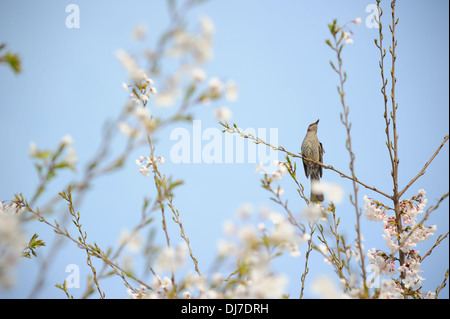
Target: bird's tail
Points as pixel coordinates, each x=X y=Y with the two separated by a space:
x=316 y=195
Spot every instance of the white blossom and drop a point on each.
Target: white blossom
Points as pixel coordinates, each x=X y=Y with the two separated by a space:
x=333 y=192
x=325 y=287
x=215 y=86
x=142 y=113
x=390 y=290
x=144 y=163
x=244 y=211
x=231 y=92
x=136 y=75
x=225 y=248
x=372 y=212
x=314 y=213
x=12 y=242
x=260 y=168
x=67 y=140
x=280 y=170
x=198 y=75
x=71 y=157
x=126 y=129
x=153 y=91
x=171 y=259
x=207 y=25
x=380 y=263
x=229 y=228
x=412 y=271
x=223 y=114
x=33 y=150
x=165 y=98
x=347 y=38
x=132 y=241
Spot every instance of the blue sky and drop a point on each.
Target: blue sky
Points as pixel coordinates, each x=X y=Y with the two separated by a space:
x=276 y=54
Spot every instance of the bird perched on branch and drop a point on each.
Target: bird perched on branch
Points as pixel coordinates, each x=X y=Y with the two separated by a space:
x=313 y=149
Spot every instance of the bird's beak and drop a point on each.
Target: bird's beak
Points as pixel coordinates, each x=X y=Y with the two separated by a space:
x=317 y=122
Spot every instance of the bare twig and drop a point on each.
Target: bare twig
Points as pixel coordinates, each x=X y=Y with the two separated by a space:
x=438 y=241
x=164 y=193
x=384 y=82
x=442 y=285
x=394 y=147
x=266 y=184
x=258 y=140
x=338 y=37
x=422 y=171
x=177 y=220
x=93 y=250
x=82 y=238
x=308 y=251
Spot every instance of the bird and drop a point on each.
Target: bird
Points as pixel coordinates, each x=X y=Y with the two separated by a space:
x=312 y=148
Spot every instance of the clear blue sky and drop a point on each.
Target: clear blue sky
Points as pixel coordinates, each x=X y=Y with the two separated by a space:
x=276 y=54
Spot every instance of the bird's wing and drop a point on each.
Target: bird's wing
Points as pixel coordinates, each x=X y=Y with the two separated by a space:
x=305 y=167
x=321 y=151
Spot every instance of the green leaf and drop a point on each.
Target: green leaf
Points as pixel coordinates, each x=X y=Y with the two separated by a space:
x=33 y=244
x=334 y=68
x=12 y=60
x=62 y=165
x=332 y=27
x=190 y=90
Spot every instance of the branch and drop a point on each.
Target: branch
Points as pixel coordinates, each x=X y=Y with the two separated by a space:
x=258 y=140
x=438 y=241
x=164 y=188
x=384 y=82
x=424 y=219
x=442 y=286
x=82 y=238
x=338 y=36
x=308 y=251
x=177 y=220
x=422 y=171
x=93 y=250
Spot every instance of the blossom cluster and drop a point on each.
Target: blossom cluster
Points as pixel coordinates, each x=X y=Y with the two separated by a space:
x=189 y=79
x=196 y=44
x=70 y=159
x=142 y=85
x=141 y=89
x=252 y=245
x=383 y=263
x=249 y=248
x=347 y=35
x=12 y=239
x=272 y=228
x=145 y=162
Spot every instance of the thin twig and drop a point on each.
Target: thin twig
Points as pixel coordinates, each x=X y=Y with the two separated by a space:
x=422 y=171
x=395 y=160
x=442 y=285
x=338 y=36
x=82 y=238
x=258 y=140
x=308 y=251
x=177 y=220
x=384 y=82
x=438 y=241
x=94 y=250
